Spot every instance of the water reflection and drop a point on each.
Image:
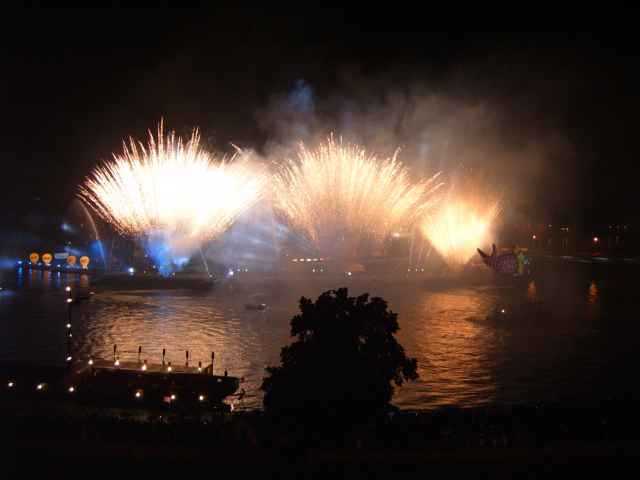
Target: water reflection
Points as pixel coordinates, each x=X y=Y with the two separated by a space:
x=468 y=352
x=448 y=334
x=593 y=293
x=532 y=291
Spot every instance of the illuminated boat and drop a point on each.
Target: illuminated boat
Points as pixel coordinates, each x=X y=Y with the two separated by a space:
x=126 y=385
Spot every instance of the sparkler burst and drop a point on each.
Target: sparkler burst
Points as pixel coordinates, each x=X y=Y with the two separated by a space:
x=172 y=191
x=458 y=227
x=345 y=200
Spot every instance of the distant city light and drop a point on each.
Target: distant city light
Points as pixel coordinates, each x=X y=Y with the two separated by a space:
x=396 y=235
x=90 y=362
x=349 y=274
x=72 y=389
x=534 y=237
x=69 y=300
x=40 y=386
x=10 y=384
x=131 y=270
x=201 y=398
x=596 y=239
x=67 y=289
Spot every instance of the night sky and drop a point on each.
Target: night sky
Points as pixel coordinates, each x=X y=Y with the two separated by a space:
x=74 y=84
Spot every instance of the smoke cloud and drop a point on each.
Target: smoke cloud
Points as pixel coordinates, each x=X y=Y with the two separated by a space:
x=512 y=146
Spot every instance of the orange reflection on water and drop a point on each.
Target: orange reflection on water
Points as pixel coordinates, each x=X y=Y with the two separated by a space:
x=46 y=278
x=593 y=292
x=84 y=281
x=453 y=344
x=174 y=322
x=532 y=291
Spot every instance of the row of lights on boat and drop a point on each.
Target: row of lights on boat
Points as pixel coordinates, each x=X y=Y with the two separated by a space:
x=41 y=387
x=143 y=367
x=138 y=393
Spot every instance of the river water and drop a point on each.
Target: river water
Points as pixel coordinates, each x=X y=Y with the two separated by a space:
x=567 y=334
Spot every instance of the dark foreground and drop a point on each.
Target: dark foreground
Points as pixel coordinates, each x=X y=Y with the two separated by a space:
x=497 y=442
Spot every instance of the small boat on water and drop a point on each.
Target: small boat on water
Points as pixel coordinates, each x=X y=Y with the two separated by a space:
x=127 y=384
x=255 y=306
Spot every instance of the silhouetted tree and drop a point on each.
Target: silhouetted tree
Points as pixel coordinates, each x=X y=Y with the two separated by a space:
x=344 y=362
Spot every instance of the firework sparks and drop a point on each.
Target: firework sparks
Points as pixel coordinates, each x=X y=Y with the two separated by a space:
x=458 y=227
x=340 y=196
x=172 y=190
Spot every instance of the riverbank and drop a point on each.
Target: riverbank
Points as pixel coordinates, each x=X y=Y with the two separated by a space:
x=500 y=440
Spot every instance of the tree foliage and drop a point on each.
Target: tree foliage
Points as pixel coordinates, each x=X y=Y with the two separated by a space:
x=345 y=360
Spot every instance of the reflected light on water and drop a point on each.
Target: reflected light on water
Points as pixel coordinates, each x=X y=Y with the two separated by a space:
x=453 y=344
x=532 y=291
x=468 y=353
x=593 y=292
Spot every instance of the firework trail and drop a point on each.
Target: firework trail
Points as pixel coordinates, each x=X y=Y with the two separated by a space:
x=172 y=192
x=345 y=200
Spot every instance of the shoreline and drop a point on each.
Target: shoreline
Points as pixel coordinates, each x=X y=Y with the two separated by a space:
x=494 y=438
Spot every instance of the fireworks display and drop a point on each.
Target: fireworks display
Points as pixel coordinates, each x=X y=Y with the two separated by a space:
x=346 y=200
x=458 y=227
x=172 y=192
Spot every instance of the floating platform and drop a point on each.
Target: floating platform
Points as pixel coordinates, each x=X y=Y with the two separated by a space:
x=127 y=384
x=153 y=281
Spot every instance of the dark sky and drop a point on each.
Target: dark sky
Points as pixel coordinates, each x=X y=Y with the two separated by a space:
x=75 y=83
